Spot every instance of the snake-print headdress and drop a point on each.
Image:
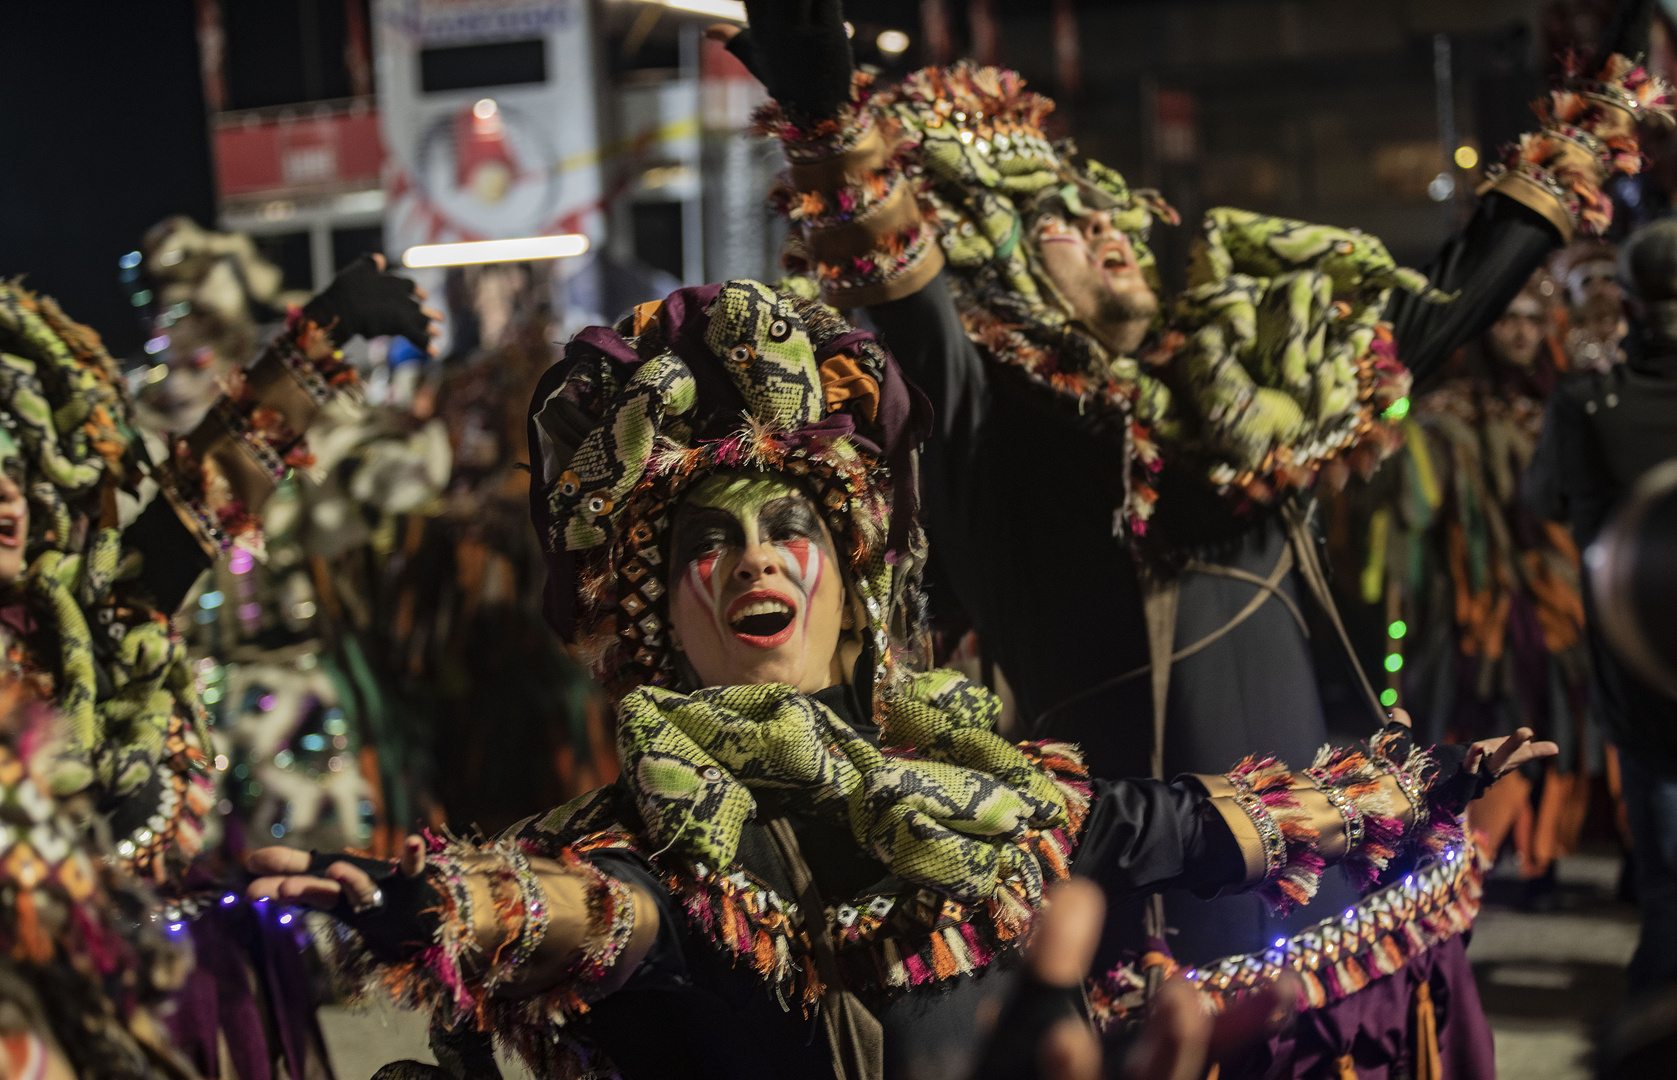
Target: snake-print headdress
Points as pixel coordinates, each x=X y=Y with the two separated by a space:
x=140 y=743
x=1270 y=366
x=731 y=376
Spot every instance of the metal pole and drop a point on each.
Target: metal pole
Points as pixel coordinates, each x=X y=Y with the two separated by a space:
x=1444 y=87
x=692 y=207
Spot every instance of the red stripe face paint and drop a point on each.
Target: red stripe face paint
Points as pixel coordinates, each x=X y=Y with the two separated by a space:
x=804 y=563
x=699 y=578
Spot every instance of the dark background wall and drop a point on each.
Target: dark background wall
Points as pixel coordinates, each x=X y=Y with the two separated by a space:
x=102 y=133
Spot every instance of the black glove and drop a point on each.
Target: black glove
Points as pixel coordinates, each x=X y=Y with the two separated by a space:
x=1453 y=786
x=404 y=924
x=1449 y=786
x=363 y=301
x=798 y=50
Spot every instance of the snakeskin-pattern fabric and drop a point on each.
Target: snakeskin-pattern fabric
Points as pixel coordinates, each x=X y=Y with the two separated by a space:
x=1279 y=314
x=589 y=495
x=766 y=350
x=945 y=818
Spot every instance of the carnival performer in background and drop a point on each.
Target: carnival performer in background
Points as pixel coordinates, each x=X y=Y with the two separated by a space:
x=819 y=859
x=1477 y=597
x=1588 y=271
x=92 y=593
x=211 y=294
x=1161 y=449
x=87 y=962
x=1602 y=433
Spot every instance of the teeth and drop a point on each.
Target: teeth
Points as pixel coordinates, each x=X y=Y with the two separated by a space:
x=762 y=607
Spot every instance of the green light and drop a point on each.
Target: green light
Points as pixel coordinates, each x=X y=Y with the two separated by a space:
x=1388 y=697
x=1397 y=629
x=1394 y=662
x=1397 y=410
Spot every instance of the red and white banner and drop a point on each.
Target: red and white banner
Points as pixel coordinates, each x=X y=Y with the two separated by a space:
x=286 y=155
x=488 y=152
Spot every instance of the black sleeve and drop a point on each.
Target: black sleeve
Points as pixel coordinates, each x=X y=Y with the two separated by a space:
x=665 y=963
x=1487 y=262
x=1147 y=835
x=924 y=332
x=173 y=556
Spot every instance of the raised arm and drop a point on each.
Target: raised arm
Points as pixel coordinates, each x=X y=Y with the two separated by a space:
x=1546 y=189
x=220 y=475
x=1485 y=265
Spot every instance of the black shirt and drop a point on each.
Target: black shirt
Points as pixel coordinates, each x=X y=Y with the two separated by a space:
x=1601 y=432
x=687 y=1012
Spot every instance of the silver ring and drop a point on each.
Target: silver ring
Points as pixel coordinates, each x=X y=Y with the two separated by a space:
x=375 y=901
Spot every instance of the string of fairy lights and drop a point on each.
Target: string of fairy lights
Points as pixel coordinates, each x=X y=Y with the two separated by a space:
x=1396 y=628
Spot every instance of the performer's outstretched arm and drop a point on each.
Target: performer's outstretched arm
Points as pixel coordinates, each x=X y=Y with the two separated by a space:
x=222 y=473
x=1547 y=188
x=509 y=920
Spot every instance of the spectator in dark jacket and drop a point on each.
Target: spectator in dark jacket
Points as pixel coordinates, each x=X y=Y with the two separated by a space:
x=1604 y=429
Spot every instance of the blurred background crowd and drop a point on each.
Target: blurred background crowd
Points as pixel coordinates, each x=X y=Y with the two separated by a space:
x=182 y=171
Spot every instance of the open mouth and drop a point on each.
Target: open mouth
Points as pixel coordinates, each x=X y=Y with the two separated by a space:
x=762 y=618
x=11 y=531
x=1113 y=256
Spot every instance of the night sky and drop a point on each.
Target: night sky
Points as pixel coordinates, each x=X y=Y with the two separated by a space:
x=102 y=132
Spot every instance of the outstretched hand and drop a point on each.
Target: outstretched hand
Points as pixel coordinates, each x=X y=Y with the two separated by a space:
x=393 y=905
x=1466 y=772
x=364 y=300
x=799 y=51
x=299 y=877
x=1498 y=756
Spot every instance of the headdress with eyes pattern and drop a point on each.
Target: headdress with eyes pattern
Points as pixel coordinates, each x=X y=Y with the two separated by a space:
x=720 y=377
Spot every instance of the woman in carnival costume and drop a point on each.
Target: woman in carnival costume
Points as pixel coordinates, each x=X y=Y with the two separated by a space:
x=819 y=859
x=86 y=619
x=1160 y=450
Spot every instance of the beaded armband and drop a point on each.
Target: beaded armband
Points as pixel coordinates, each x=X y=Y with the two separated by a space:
x=1287 y=845
x=1352 y=782
x=1262 y=788
x=1588 y=133
x=532 y=915
x=804 y=139
x=611 y=921
x=853 y=194
x=219 y=475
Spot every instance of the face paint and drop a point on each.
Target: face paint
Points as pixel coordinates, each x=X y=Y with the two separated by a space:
x=764 y=511
x=804 y=563
x=753 y=600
